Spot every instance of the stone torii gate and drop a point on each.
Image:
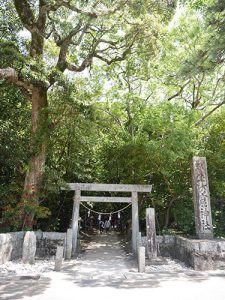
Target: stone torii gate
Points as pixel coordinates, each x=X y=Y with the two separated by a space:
x=96 y=187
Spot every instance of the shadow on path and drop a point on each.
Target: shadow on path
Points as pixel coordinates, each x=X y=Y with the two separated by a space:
x=17 y=288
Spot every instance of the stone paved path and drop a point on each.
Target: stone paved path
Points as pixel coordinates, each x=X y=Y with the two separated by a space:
x=105 y=271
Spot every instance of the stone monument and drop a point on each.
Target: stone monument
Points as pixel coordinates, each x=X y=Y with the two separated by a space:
x=59 y=258
x=151 y=233
x=68 y=244
x=141 y=259
x=29 y=247
x=201 y=198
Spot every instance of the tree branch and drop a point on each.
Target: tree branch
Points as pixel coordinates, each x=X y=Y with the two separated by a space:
x=216 y=86
x=94 y=53
x=25 y=13
x=75 y=37
x=64 y=3
x=88 y=60
x=115 y=59
x=209 y=113
x=42 y=18
x=114 y=117
x=37 y=29
x=65 y=43
x=93 y=13
x=10 y=76
x=115 y=9
x=179 y=92
x=112 y=43
x=85 y=63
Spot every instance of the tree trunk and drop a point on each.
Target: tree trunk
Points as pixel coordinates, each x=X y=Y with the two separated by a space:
x=168 y=210
x=36 y=166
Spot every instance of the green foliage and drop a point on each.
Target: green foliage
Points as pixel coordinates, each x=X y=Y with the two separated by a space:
x=215 y=152
x=9 y=21
x=10 y=55
x=14 y=114
x=14 y=213
x=133 y=122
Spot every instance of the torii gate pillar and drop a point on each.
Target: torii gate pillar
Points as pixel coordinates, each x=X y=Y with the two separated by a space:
x=75 y=218
x=135 y=221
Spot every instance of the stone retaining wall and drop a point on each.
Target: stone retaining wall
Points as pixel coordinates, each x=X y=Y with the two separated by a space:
x=165 y=245
x=201 y=255
x=47 y=243
x=11 y=244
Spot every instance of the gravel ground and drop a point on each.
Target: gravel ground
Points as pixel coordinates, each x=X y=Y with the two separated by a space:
x=166 y=264
x=19 y=268
x=43 y=266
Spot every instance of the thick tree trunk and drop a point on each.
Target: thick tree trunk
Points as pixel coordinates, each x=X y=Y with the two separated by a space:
x=36 y=167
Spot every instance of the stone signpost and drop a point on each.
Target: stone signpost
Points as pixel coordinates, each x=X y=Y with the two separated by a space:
x=201 y=198
x=69 y=243
x=29 y=247
x=59 y=258
x=151 y=233
x=141 y=259
x=139 y=240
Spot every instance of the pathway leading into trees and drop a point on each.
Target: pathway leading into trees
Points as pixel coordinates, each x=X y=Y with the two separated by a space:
x=104 y=270
x=105 y=261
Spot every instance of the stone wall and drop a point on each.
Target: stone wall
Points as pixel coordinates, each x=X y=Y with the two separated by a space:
x=47 y=243
x=165 y=245
x=201 y=255
x=11 y=244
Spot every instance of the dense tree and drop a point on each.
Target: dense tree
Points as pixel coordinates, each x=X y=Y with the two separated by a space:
x=151 y=96
x=60 y=36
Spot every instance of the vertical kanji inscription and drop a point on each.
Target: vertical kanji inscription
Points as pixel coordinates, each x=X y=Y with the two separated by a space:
x=201 y=198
